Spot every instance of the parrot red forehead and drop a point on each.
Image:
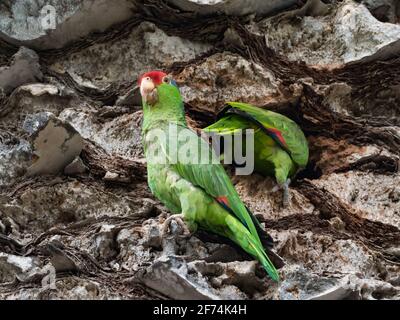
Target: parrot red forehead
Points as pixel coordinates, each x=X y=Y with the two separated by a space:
x=155 y=76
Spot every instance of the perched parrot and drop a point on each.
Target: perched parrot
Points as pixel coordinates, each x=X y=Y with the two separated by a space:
x=280 y=147
x=198 y=193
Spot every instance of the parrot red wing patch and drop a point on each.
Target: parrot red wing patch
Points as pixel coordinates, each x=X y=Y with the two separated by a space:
x=223 y=200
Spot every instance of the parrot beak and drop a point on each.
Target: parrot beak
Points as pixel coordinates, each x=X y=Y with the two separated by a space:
x=148 y=92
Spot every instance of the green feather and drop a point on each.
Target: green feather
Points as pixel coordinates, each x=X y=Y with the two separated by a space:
x=271 y=157
x=291 y=132
x=191 y=188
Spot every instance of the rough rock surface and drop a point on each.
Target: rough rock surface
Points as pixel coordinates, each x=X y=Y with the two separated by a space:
x=24 y=68
x=55 y=143
x=85 y=225
x=145 y=47
x=15 y=155
x=234 y=7
x=384 y=10
x=215 y=81
x=52 y=24
x=325 y=35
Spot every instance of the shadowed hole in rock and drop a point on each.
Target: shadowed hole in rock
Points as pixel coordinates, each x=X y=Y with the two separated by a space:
x=311 y=171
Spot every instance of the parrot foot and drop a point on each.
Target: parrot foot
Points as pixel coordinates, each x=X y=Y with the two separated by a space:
x=178 y=218
x=286 y=194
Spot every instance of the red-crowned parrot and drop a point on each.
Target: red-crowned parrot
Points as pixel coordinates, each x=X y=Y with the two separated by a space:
x=199 y=192
x=280 y=147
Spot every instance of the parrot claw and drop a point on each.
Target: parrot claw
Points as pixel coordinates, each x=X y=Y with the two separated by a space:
x=178 y=218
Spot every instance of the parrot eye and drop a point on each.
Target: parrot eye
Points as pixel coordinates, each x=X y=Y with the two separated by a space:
x=166 y=79
x=147 y=78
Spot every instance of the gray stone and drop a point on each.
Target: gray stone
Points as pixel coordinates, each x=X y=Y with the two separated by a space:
x=226 y=77
x=372 y=289
x=63 y=202
x=145 y=48
x=52 y=24
x=302 y=284
x=14 y=267
x=24 y=68
x=130 y=98
x=169 y=276
x=94 y=226
x=34 y=98
x=105 y=242
x=370 y=196
x=55 y=143
x=348 y=33
x=384 y=10
x=120 y=135
x=153 y=237
x=75 y=167
x=59 y=259
x=15 y=156
x=239 y=274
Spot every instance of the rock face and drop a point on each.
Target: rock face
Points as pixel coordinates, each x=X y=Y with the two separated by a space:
x=55 y=143
x=52 y=24
x=215 y=81
x=330 y=36
x=16 y=267
x=384 y=10
x=234 y=7
x=145 y=47
x=77 y=219
x=15 y=155
x=24 y=68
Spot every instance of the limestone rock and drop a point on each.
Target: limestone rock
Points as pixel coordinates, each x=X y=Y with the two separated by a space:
x=347 y=33
x=24 y=68
x=15 y=156
x=233 y=7
x=34 y=98
x=378 y=205
x=104 y=242
x=77 y=218
x=53 y=24
x=145 y=48
x=227 y=77
x=55 y=143
x=75 y=167
x=300 y=284
x=120 y=135
x=14 y=267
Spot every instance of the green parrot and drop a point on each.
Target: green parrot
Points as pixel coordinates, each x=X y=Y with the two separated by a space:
x=185 y=174
x=280 y=147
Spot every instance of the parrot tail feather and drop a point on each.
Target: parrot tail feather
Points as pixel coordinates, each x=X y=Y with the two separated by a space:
x=264 y=259
x=242 y=236
x=267 y=241
x=265 y=238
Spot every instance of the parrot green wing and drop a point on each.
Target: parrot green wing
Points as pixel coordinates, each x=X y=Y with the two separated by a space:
x=283 y=130
x=197 y=163
x=228 y=125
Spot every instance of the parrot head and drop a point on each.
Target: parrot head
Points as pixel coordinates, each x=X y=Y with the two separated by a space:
x=149 y=82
